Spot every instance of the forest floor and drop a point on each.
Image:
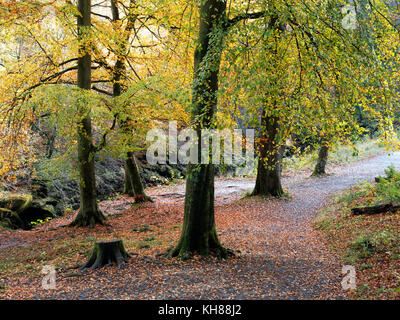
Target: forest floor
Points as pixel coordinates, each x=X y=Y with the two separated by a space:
x=279 y=255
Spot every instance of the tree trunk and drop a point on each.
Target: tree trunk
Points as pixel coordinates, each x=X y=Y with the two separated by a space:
x=105 y=253
x=133 y=182
x=270 y=151
x=198 y=233
x=89 y=213
x=322 y=161
x=128 y=187
x=134 y=179
x=268 y=181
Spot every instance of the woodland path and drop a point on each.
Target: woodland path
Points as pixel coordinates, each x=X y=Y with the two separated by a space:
x=280 y=255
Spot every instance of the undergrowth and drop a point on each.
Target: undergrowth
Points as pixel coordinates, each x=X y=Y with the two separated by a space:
x=371 y=243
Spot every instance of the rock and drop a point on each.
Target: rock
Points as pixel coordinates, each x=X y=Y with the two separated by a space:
x=49 y=204
x=17 y=211
x=63 y=186
x=164 y=171
x=39 y=187
x=15 y=202
x=10 y=219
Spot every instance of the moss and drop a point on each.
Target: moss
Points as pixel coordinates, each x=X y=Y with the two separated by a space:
x=10 y=219
x=16 y=202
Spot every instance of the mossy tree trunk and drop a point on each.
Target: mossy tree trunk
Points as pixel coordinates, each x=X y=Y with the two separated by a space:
x=133 y=182
x=268 y=181
x=199 y=233
x=89 y=213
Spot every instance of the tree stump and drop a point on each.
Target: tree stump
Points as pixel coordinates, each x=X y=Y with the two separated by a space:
x=105 y=253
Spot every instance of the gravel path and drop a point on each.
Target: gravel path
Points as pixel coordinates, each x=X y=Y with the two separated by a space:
x=279 y=253
x=341 y=177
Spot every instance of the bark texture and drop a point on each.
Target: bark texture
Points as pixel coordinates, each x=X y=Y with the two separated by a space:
x=128 y=187
x=134 y=179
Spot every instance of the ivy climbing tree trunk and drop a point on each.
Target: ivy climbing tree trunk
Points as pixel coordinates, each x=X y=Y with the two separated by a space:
x=89 y=213
x=268 y=181
x=199 y=234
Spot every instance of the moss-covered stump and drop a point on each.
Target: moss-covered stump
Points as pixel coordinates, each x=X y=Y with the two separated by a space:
x=105 y=253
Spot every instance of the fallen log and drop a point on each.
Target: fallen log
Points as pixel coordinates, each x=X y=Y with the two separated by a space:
x=381 y=208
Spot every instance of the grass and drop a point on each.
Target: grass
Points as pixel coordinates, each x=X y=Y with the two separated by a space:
x=370 y=243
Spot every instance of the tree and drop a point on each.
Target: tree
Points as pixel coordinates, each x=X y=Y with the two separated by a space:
x=199 y=233
x=137 y=37
x=280 y=68
x=133 y=182
x=89 y=212
x=118 y=49
x=268 y=180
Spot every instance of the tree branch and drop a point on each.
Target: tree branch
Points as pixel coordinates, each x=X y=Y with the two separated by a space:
x=103 y=140
x=245 y=16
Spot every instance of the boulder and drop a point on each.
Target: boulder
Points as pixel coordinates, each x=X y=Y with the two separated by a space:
x=39 y=187
x=10 y=219
x=17 y=211
x=15 y=202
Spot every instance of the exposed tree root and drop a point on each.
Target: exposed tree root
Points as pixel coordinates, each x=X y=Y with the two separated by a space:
x=185 y=252
x=143 y=198
x=86 y=220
